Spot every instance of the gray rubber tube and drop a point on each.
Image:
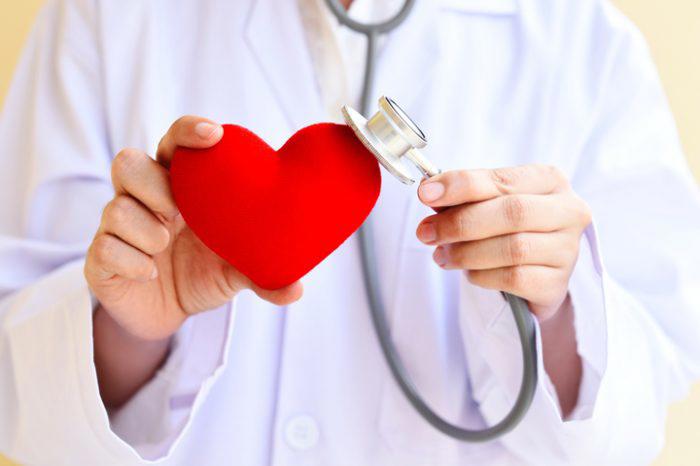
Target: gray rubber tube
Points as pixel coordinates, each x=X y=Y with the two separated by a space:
x=524 y=320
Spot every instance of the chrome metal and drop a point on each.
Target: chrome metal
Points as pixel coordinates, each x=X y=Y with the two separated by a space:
x=390 y=135
x=426 y=167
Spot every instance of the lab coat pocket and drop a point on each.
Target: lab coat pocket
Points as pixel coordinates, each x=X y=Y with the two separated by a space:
x=425 y=330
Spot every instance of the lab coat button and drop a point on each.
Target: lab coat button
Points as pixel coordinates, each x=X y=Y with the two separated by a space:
x=301 y=432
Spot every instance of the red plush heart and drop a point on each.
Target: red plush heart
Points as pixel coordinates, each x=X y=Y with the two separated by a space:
x=275 y=215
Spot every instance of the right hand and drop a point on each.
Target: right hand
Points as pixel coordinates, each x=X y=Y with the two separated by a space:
x=147 y=269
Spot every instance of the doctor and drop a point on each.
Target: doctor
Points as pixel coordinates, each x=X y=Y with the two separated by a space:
x=125 y=341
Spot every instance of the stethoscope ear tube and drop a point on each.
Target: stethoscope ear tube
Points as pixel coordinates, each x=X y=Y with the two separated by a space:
x=370 y=29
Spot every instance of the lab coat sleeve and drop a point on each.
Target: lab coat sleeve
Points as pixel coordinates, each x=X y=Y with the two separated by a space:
x=634 y=288
x=54 y=181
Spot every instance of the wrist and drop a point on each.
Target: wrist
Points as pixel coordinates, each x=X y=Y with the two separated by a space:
x=137 y=327
x=560 y=355
x=124 y=361
x=105 y=323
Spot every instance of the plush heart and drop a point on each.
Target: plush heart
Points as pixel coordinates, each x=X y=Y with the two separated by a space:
x=274 y=215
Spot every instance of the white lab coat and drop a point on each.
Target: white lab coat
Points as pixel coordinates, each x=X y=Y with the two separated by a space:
x=493 y=83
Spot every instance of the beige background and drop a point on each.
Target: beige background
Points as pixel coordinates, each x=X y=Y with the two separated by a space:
x=672 y=28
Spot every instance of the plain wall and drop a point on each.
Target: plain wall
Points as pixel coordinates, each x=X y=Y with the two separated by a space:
x=672 y=28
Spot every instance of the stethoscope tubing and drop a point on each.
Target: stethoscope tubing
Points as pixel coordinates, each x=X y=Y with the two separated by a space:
x=524 y=321
x=373 y=28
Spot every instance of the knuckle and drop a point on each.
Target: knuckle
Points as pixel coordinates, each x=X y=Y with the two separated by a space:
x=515 y=278
x=181 y=124
x=144 y=267
x=505 y=178
x=515 y=210
x=161 y=239
x=518 y=249
x=126 y=161
x=461 y=224
x=119 y=211
x=103 y=249
x=453 y=255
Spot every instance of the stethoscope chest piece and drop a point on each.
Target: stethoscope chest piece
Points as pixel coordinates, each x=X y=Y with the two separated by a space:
x=390 y=135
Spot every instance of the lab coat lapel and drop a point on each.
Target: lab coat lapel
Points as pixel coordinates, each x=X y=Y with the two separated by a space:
x=407 y=59
x=276 y=39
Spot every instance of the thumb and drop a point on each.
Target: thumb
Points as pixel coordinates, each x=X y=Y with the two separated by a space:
x=281 y=296
x=191 y=132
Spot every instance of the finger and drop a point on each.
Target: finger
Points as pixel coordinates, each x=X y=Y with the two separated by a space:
x=136 y=174
x=109 y=257
x=534 y=283
x=462 y=186
x=281 y=296
x=128 y=220
x=500 y=216
x=189 y=131
x=550 y=249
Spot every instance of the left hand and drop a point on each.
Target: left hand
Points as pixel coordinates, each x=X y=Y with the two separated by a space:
x=512 y=229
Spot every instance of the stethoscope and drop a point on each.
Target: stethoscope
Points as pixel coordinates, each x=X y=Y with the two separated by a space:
x=392 y=136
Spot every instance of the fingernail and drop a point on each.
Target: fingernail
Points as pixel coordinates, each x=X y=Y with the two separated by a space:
x=440 y=256
x=427 y=232
x=206 y=130
x=432 y=191
x=154 y=274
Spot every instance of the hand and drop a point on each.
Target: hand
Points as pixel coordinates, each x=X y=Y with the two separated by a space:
x=511 y=229
x=145 y=266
